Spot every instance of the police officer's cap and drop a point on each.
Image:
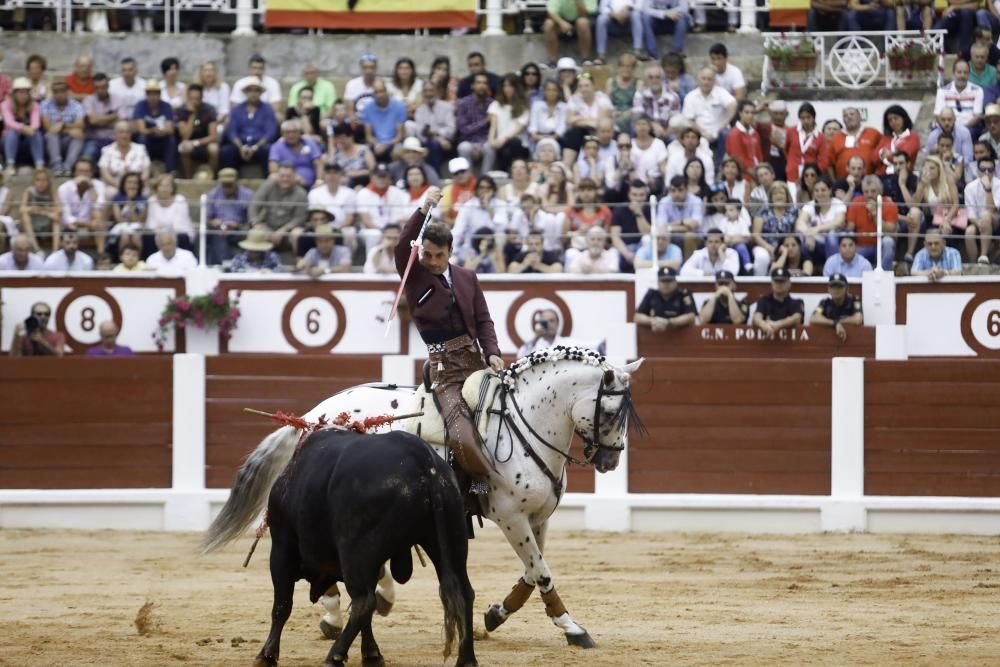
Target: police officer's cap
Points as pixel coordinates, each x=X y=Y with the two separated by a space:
x=781 y=273
x=724 y=277
x=838 y=279
x=666 y=273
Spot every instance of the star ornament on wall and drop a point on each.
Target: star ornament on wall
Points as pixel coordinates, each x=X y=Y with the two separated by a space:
x=854 y=62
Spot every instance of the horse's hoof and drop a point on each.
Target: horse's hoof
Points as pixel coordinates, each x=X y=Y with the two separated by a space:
x=382 y=606
x=583 y=641
x=493 y=619
x=336 y=662
x=373 y=661
x=331 y=632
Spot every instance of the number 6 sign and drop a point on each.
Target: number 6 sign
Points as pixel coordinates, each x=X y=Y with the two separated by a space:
x=314 y=323
x=985 y=324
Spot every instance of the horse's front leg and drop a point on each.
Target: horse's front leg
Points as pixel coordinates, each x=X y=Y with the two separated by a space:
x=527 y=543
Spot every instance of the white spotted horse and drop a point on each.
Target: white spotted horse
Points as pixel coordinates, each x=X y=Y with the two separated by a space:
x=544 y=399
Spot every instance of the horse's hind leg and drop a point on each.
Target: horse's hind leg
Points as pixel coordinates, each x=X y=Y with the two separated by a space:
x=284 y=565
x=332 y=623
x=385 y=592
x=362 y=608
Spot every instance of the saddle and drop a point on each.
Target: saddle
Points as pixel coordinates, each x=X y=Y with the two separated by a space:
x=479 y=391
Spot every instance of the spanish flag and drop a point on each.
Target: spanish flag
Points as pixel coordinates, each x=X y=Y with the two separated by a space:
x=371 y=14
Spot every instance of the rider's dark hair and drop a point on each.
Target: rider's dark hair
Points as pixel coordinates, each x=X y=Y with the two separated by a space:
x=438 y=233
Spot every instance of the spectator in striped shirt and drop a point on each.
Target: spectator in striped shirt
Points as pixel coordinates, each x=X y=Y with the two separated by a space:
x=936 y=260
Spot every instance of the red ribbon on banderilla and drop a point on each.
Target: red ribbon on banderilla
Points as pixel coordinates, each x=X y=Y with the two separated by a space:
x=414 y=251
x=341 y=422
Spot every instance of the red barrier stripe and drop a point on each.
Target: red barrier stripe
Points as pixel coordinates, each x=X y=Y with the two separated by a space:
x=284 y=18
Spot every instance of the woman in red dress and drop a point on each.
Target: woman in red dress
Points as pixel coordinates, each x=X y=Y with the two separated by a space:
x=806 y=143
x=897 y=135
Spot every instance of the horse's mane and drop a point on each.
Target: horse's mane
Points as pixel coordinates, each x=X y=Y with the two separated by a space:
x=627 y=413
x=560 y=353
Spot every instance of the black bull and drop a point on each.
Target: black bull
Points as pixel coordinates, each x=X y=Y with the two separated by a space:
x=348 y=503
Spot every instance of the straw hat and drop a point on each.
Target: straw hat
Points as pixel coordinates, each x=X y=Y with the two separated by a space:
x=253 y=82
x=413 y=144
x=256 y=241
x=21 y=83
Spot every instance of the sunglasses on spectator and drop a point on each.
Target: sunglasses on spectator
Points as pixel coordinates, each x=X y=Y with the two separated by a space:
x=987 y=170
x=42 y=313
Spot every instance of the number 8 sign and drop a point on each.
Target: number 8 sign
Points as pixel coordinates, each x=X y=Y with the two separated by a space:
x=80 y=314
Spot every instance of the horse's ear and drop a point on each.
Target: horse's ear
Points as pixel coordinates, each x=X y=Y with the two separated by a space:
x=609 y=378
x=634 y=366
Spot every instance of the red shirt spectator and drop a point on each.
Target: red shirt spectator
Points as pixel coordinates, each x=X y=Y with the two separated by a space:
x=863 y=220
x=79 y=89
x=908 y=142
x=806 y=143
x=743 y=143
x=897 y=135
x=854 y=140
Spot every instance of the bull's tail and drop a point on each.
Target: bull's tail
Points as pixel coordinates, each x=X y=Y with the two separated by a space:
x=450 y=585
x=253 y=482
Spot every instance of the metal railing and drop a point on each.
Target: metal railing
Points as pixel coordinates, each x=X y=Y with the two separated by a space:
x=853 y=60
x=245 y=11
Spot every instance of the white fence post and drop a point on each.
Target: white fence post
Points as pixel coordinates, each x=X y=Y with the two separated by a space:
x=748 y=16
x=494 y=19
x=187 y=508
x=846 y=511
x=244 y=18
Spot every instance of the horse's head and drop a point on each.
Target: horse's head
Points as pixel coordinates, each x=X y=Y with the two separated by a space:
x=604 y=417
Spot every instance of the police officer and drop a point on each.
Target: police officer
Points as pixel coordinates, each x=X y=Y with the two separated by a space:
x=668 y=306
x=779 y=310
x=722 y=307
x=838 y=309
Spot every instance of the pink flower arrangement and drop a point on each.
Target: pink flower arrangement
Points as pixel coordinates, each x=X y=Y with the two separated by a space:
x=215 y=309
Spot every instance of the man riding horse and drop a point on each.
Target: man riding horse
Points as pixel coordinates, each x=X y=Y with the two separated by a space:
x=448 y=307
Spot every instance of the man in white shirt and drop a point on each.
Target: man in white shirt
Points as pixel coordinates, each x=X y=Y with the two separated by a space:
x=20 y=257
x=981 y=197
x=69 y=258
x=687 y=147
x=128 y=88
x=170 y=260
x=714 y=257
x=83 y=200
x=380 y=203
x=710 y=108
x=383 y=258
x=597 y=258
x=728 y=75
x=338 y=199
x=272 y=89
x=962 y=97
x=358 y=92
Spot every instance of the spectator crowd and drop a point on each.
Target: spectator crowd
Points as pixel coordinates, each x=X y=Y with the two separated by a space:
x=543 y=170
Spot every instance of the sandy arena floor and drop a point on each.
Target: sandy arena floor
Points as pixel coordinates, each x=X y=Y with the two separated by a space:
x=71 y=598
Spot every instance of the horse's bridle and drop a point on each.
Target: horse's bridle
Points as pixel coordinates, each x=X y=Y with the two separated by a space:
x=591 y=444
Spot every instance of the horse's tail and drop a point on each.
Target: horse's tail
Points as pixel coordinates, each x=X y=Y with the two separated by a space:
x=447 y=515
x=249 y=493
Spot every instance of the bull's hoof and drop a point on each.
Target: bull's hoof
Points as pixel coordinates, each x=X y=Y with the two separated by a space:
x=261 y=661
x=382 y=606
x=373 y=661
x=493 y=619
x=582 y=640
x=331 y=632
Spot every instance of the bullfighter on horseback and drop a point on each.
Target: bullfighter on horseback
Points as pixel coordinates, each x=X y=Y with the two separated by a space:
x=448 y=307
